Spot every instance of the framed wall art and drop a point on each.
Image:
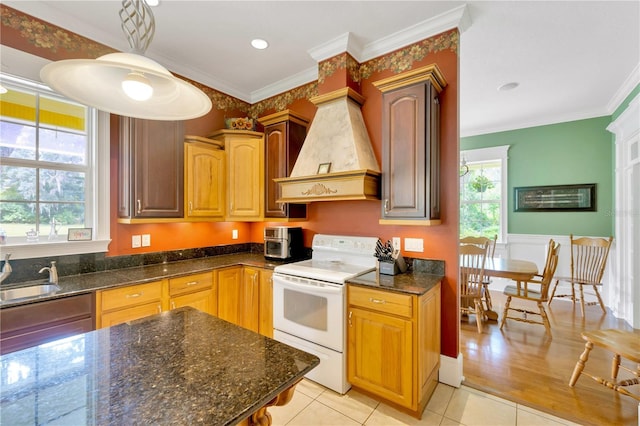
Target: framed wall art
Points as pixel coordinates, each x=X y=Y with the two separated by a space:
x=555 y=198
x=79 y=234
x=324 y=168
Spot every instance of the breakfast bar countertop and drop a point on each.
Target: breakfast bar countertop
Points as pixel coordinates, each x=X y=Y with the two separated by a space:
x=179 y=367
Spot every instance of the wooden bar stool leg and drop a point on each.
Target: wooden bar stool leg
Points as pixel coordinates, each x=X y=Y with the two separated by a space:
x=584 y=357
x=504 y=312
x=615 y=366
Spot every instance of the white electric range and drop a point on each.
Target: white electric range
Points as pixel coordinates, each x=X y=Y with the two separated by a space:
x=309 y=302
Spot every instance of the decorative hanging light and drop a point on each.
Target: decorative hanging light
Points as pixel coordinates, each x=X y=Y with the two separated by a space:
x=128 y=84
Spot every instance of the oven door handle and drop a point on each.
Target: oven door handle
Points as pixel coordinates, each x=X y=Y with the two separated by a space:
x=304 y=283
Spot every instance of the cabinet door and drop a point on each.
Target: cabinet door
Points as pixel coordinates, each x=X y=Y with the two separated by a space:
x=250 y=312
x=201 y=300
x=229 y=293
x=151 y=169
x=379 y=355
x=275 y=153
x=246 y=178
x=120 y=316
x=204 y=181
x=266 y=303
x=410 y=159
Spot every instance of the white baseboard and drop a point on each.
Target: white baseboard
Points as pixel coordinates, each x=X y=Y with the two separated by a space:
x=451 y=370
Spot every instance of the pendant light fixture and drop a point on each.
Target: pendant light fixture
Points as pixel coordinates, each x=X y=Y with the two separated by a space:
x=128 y=84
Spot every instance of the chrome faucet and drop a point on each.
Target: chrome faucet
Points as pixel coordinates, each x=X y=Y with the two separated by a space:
x=6 y=268
x=53 y=272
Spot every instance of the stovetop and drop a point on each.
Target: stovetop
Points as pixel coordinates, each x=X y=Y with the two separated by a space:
x=333 y=271
x=335 y=259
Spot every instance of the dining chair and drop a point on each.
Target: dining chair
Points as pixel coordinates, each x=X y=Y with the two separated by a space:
x=491 y=248
x=535 y=290
x=472 y=260
x=588 y=260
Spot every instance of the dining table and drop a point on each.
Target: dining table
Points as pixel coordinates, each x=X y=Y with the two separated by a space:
x=513 y=269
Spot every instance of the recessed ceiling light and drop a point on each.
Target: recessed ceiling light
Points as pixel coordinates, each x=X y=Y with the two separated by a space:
x=152 y=3
x=508 y=86
x=259 y=43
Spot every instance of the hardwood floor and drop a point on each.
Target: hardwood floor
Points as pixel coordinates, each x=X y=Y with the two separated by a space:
x=521 y=364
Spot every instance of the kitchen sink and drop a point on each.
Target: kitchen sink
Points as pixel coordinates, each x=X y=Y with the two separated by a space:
x=26 y=292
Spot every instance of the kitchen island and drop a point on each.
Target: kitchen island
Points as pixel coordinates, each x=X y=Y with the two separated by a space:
x=179 y=367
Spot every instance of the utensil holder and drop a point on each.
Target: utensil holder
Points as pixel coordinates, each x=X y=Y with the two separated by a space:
x=388 y=268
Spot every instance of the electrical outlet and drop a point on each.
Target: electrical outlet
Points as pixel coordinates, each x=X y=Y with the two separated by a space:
x=234 y=234
x=136 y=241
x=414 y=244
x=396 y=243
x=146 y=240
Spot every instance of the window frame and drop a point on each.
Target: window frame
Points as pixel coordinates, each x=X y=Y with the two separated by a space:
x=97 y=205
x=496 y=153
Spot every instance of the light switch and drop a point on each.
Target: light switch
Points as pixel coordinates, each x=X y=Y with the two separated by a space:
x=146 y=240
x=414 y=244
x=396 y=243
x=136 y=241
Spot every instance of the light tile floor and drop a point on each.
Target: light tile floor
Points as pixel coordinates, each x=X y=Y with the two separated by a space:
x=314 y=405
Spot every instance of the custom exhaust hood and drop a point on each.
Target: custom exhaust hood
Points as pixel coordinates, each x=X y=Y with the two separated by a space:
x=336 y=161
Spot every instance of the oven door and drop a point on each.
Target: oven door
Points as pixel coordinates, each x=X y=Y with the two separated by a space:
x=309 y=309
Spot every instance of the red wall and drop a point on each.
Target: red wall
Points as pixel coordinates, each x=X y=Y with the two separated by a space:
x=350 y=217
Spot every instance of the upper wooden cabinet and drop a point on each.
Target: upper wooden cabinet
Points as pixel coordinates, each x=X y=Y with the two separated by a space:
x=150 y=169
x=411 y=147
x=204 y=178
x=284 y=134
x=245 y=174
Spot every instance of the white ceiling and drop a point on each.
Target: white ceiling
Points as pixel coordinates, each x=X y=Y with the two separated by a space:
x=572 y=60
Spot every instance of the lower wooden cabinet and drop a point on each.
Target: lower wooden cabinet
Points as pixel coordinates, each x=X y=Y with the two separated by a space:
x=122 y=304
x=266 y=303
x=197 y=291
x=394 y=345
x=242 y=295
x=37 y=323
x=245 y=297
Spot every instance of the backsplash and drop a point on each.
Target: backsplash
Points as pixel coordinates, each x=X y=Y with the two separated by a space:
x=27 y=269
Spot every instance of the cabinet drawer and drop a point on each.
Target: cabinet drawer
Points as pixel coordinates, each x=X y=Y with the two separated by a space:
x=190 y=283
x=131 y=295
x=381 y=301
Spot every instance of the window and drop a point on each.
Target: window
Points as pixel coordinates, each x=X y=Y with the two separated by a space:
x=483 y=192
x=51 y=170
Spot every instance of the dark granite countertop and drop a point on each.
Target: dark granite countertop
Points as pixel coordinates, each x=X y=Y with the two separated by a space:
x=413 y=282
x=179 y=367
x=87 y=283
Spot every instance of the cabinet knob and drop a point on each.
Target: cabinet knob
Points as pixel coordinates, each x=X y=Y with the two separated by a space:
x=133 y=295
x=350 y=314
x=386 y=206
x=190 y=207
x=139 y=203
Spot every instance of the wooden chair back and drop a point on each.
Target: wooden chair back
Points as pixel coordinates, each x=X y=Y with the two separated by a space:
x=480 y=241
x=589 y=258
x=472 y=261
x=549 y=269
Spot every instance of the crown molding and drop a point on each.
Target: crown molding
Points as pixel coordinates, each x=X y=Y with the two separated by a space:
x=454 y=18
x=296 y=80
x=625 y=89
x=538 y=122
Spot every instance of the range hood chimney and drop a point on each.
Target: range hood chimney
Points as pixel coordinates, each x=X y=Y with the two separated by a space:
x=336 y=161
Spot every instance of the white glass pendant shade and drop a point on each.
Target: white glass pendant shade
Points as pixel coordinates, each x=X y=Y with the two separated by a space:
x=98 y=83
